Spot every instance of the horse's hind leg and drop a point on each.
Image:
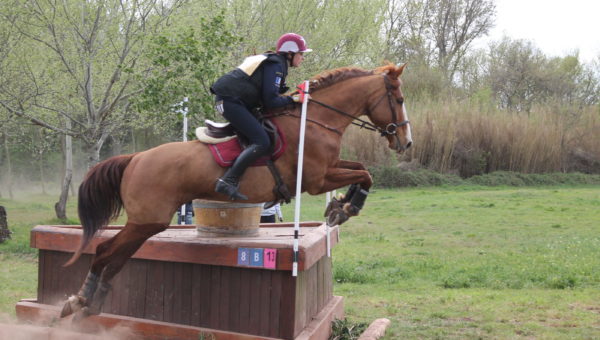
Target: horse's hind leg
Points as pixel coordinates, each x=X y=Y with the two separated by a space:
x=111 y=256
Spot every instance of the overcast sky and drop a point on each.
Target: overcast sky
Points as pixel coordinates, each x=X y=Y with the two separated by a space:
x=556 y=27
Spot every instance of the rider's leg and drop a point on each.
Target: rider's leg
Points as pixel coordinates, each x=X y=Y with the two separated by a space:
x=246 y=124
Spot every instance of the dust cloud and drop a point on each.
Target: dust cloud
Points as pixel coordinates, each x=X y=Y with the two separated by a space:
x=49 y=327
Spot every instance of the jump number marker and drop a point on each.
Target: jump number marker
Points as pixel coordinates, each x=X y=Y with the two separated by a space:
x=257 y=257
x=243 y=256
x=270 y=258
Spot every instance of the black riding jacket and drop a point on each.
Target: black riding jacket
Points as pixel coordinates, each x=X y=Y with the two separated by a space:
x=262 y=87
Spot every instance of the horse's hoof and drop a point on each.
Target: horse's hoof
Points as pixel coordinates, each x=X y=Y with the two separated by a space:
x=74 y=304
x=334 y=204
x=336 y=217
x=332 y=220
x=80 y=315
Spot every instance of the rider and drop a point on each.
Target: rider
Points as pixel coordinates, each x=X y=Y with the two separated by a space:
x=258 y=82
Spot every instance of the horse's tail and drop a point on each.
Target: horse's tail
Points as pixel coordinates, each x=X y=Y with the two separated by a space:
x=99 y=199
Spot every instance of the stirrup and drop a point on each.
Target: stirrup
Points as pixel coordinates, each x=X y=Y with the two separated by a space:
x=230 y=190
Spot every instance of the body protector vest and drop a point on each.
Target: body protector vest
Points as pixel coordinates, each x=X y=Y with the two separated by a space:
x=245 y=82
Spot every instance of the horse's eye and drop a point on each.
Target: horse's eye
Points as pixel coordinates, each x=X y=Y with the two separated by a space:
x=400 y=101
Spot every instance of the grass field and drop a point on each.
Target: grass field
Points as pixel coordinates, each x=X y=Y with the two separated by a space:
x=459 y=262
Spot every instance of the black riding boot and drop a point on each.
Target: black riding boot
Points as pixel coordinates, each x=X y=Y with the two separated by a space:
x=229 y=183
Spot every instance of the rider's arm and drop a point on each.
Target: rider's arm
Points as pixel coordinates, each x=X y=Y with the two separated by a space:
x=272 y=81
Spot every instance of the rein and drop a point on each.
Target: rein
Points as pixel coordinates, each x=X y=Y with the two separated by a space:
x=363 y=123
x=287 y=113
x=389 y=129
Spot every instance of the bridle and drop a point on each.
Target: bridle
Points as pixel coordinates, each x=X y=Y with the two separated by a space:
x=389 y=129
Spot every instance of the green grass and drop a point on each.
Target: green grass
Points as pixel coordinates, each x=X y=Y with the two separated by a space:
x=466 y=262
x=448 y=262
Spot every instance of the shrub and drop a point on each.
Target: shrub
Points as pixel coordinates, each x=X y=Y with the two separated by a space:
x=391 y=176
x=394 y=177
x=346 y=330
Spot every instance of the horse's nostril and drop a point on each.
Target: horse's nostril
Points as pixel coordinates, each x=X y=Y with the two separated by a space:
x=408 y=145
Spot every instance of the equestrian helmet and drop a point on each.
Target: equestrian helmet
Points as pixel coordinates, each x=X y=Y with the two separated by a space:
x=292 y=42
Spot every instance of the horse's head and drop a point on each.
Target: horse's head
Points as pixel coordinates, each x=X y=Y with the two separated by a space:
x=387 y=111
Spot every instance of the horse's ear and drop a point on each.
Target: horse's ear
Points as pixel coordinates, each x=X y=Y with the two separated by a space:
x=399 y=69
x=396 y=71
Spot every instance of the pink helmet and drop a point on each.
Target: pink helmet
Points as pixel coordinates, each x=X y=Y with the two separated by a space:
x=292 y=42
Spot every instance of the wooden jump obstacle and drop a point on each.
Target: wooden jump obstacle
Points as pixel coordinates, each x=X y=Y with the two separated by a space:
x=183 y=286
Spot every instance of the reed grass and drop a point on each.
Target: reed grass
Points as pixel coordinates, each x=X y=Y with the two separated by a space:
x=470 y=139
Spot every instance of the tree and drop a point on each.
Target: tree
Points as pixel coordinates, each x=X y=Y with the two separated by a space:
x=515 y=71
x=8 y=171
x=341 y=33
x=96 y=45
x=437 y=33
x=569 y=82
x=185 y=64
x=81 y=71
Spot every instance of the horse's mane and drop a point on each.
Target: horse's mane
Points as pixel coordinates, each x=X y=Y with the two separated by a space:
x=330 y=77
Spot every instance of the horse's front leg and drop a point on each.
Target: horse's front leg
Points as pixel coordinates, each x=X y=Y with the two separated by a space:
x=339 y=211
x=111 y=256
x=354 y=187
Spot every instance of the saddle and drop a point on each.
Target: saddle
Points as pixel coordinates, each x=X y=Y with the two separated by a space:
x=225 y=145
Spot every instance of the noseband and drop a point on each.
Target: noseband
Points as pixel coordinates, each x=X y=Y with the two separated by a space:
x=389 y=129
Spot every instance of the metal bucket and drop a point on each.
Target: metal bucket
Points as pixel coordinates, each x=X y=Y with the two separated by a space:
x=221 y=219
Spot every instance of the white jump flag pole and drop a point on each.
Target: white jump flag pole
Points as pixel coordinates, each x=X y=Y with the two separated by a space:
x=328 y=196
x=184 y=111
x=299 y=177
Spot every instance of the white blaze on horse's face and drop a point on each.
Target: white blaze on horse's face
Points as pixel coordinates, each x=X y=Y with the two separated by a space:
x=407 y=130
x=402 y=138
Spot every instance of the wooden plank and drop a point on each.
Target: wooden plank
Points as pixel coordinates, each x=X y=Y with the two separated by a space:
x=50 y=285
x=154 y=291
x=234 y=300
x=42 y=332
x=148 y=329
x=186 y=294
x=328 y=279
x=205 y=299
x=114 y=295
x=41 y=272
x=251 y=300
x=244 y=301
x=320 y=283
x=182 y=245
x=196 y=288
x=276 y=289
x=177 y=300
x=265 y=302
x=215 y=298
x=125 y=290
x=137 y=282
x=320 y=326
x=375 y=330
x=169 y=292
x=288 y=305
x=301 y=299
x=224 y=317
x=313 y=288
x=314 y=245
x=255 y=284
x=68 y=281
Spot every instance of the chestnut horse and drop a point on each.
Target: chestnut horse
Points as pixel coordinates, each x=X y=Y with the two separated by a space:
x=151 y=185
